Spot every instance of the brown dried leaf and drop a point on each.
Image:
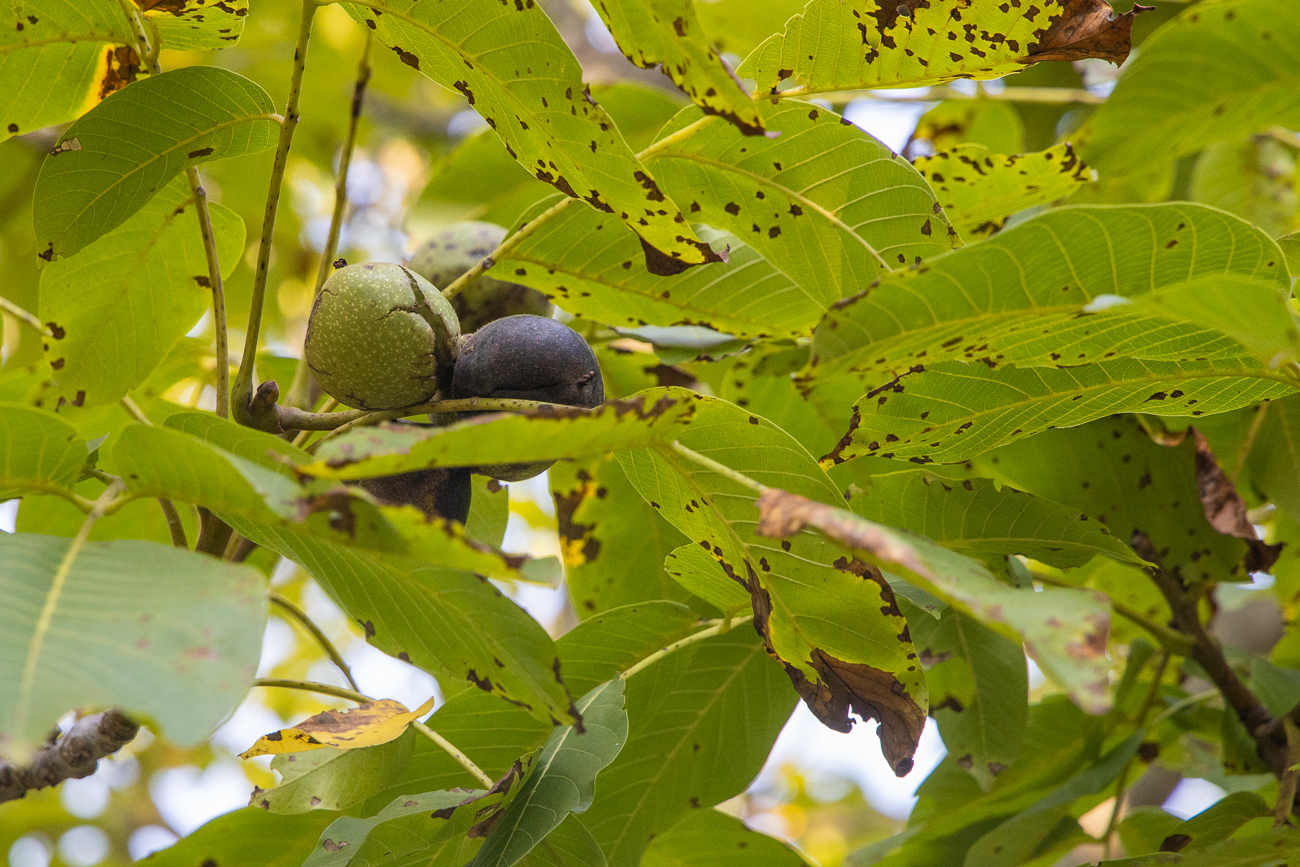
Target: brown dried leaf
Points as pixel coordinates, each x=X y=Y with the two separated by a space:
x=1086 y=29
x=1224 y=508
x=783 y=514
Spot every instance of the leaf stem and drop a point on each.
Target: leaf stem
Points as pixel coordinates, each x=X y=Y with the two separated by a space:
x=218 y=291
x=242 y=394
x=721 y=469
x=450 y=749
x=1122 y=781
x=321 y=638
x=718 y=627
x=455 y=287
x=352 y=695
x=174 y=524
x=342 y=422
x=23 y=316
x=301 y=385
x=134 y=409
x=45 y=620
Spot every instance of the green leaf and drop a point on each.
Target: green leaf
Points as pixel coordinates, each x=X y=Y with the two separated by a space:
x=510 y=63
x=979 y=691
x=197 y=25
x=832 y=621
x=569 y=845
x=41 y=452
x=666 y=35
x=1213 y=73
x=1258 y=850
x=695 y=569
x=999 y=299
x=58 y=58
x=708 y=837
x=1113 y=472
x=763 y=382
x=992 y=123
x=952 y=411
x=247 y=836
x=979 y=189
x=261 y=448
x=1064 y=629
x=613 y=542
x=701 y=723
x=589 y=264
x=451 y=623
x=1274 y=461
x=1254 y=179
x=976 y=518
x=562 y=777
x=829 y=205
x=413 y=829
x=600 y=647
x=119 y=305
x=1220 y=820
x=153 y=630
x=619 y=424
x=129 y=147
x=330 y=779
x=866 y=44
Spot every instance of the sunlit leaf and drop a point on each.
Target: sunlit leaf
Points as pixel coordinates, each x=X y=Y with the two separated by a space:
x=117 y=157
x=366 y=725
x=533 y=96
x=872 y=43
x=41 y=452
x=124 y=300
x=329 y=779
x=829 y=205
x=665 y=34
x=58 y=59
x=701 y=723
x=153 y=630
x=561 y=779
x=1191 y=86
x=979 y=189
x=195 y=25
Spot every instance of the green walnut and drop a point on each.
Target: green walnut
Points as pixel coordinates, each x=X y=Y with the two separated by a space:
x=528 y=358
x=459 y=247
x=381 y=337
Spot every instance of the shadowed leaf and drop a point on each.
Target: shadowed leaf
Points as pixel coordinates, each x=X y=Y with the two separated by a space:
x=40 y=451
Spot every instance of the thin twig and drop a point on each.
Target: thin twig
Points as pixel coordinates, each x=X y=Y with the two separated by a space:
x=464 y=404
x=321 y=638
x=1286 y=791
x=134 y=409
x=242 y=395
x=174 y=523
x=218 y=290
x=23 y=316
x=298 y=390
x=718 y=627
x=351 y=695
x=454 y=288
x=1122 y=781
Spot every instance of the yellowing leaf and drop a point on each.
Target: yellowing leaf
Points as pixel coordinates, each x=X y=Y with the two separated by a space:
x=366 y=725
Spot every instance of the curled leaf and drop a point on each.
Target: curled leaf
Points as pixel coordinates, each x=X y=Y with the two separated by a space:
x=1086 y=29
x=366 y=725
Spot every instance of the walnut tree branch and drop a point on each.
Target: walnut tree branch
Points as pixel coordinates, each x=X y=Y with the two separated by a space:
x=73 y=756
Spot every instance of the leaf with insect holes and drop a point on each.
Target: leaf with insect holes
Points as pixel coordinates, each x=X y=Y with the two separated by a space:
x=862 y=44
x=665 y=35
x=113 y=160
x=979 y=190
x=366 y=725
x=58 y=59
x=824 y=202
x=833 y=622
x=103 y=345
x=509 y=62
x=1064 y=629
